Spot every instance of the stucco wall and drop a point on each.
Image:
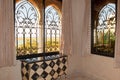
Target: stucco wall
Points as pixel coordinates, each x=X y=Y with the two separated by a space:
x=11 y=73
x=7 y=42
x=93 y=66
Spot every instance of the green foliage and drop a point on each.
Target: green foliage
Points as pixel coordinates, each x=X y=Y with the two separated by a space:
x=109 y=43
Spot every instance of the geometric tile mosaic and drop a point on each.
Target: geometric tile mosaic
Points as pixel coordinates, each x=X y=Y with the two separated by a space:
x=44 y=69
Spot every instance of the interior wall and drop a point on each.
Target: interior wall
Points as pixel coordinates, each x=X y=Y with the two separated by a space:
x=7 y=43
x=11 y=73
x=93 y=66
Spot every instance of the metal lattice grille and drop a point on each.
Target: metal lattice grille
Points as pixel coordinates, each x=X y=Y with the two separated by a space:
x=27 y=29
x=29 y=33
x=104 y=33
x=52 y=29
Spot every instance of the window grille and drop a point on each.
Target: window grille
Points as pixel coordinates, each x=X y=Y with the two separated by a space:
x=103 y=30
x=52 y=29
x=30 y=27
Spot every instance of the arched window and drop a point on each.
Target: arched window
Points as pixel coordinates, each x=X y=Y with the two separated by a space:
x=27 y=28
x=37 y=31
x=52 y=29
x=103 y=30
x=106 y=27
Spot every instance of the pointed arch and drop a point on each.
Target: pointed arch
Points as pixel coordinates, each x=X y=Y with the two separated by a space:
x=103 y=28
x=52 y=29
x=27 y=28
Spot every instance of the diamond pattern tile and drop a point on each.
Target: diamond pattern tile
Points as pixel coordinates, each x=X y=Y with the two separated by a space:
x=44 y=74
x=35 y=76
x=52 y=63
x=58 y=62
x=58 y=70
x=52 y=72
x=55 y=76
x=64 y=68
x=63 y=60
x=49 y=77
x=35 y=66
x=48 y=69
x=52 y=79
x=22 y=65
x=44 y=70
x=24 y=70
x=44 y=65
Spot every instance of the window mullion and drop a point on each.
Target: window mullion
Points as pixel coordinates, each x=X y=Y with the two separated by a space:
x=44 y=29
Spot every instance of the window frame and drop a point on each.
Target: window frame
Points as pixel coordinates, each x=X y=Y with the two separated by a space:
x=43 y=54
x=107 y=54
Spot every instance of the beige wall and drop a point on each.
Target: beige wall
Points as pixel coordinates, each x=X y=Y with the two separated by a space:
x=11 y=73
x=7 y=43
x=93 y=66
